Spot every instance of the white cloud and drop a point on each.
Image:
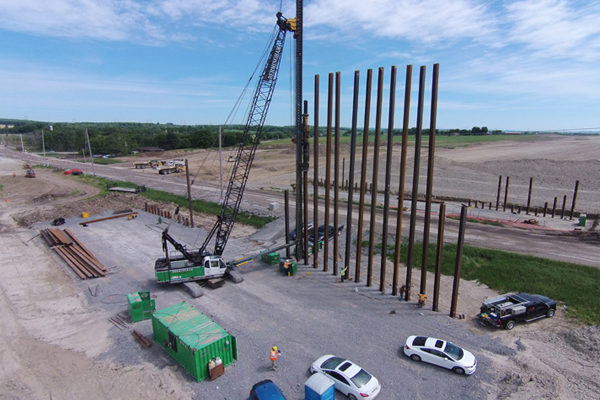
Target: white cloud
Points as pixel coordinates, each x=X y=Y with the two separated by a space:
x=556 y=28
x=109 y=20
x=430 y=22
x=516 y=76
x=149 y=22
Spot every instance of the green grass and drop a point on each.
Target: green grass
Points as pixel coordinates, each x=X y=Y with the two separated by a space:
x=181 y=201
x=106 y=161
x=576 y=285
x=440 y=141
x=42 y=166
x=479 y=221
x=99 y=161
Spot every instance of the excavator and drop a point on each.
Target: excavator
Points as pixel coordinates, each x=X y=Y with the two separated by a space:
x=189 y=267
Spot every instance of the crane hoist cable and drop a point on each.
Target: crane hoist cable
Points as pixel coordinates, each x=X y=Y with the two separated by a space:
x=261 y=61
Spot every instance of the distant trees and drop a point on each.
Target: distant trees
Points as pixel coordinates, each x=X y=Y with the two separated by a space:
x=477 y=129
x=120 y=138
x=474 y=131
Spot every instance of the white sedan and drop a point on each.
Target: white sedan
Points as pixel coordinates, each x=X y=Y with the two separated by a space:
x=441 y=353
x=349 y=378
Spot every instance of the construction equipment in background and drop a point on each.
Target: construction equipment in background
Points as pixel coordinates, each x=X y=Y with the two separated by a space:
x=30 y=173
x=202 y=265
x=157 y=163
x=174 y=166
x=150 y=164
x=141 y=164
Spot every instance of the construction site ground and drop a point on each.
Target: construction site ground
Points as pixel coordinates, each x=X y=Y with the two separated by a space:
x=56 y=340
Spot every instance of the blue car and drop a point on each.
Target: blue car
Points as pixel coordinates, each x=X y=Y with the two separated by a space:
x=266 y=390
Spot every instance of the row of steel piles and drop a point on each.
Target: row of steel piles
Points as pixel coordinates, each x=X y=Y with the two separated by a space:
x=341 y=265
x=529 y=196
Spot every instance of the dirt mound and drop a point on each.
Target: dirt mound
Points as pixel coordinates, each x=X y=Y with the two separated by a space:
x=112 y=202
x=585 y=340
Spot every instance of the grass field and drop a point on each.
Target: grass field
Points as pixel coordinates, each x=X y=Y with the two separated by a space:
x=160 y=196
x=440 y=141
x=577 y=286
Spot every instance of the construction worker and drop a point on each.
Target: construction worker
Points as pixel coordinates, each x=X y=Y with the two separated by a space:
x=422 y=297
x=273 y=356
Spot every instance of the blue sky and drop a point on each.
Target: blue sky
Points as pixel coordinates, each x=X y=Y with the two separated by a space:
x=512 y=65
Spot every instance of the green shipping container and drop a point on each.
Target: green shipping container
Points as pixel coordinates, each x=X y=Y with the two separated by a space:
x=192 y=339
x=141 y=306
x=271 y=258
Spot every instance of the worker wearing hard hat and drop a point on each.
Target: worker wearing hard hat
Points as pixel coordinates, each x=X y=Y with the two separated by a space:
x=273 y=356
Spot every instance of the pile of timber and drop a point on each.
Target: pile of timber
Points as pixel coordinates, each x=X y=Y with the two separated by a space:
x=75 y=254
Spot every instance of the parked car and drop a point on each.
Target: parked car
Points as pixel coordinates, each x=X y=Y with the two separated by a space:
x=321 y=233
x=506 y=310
x=349 y=378
x=266 y=390
x=441 y=353
x=311 y=227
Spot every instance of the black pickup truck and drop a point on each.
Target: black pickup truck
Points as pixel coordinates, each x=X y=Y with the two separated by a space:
x=506 y=310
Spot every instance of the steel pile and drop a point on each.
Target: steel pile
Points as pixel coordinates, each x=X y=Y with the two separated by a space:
x=75 y=254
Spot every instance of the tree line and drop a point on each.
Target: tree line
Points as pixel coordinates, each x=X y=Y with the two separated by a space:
x=121 y=138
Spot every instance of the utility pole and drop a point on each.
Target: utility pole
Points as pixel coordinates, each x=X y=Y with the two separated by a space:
x=189 y=189
x=220 y=169
x=90 y=149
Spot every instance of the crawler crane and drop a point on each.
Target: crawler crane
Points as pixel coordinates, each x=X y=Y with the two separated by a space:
x=199 y=265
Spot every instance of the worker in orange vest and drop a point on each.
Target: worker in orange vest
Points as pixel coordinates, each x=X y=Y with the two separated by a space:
x=422 y=297
x=273 y=356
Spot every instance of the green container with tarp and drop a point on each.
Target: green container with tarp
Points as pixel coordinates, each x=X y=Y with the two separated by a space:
x=271 y=258
x=193 y=339
x=141 y=306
